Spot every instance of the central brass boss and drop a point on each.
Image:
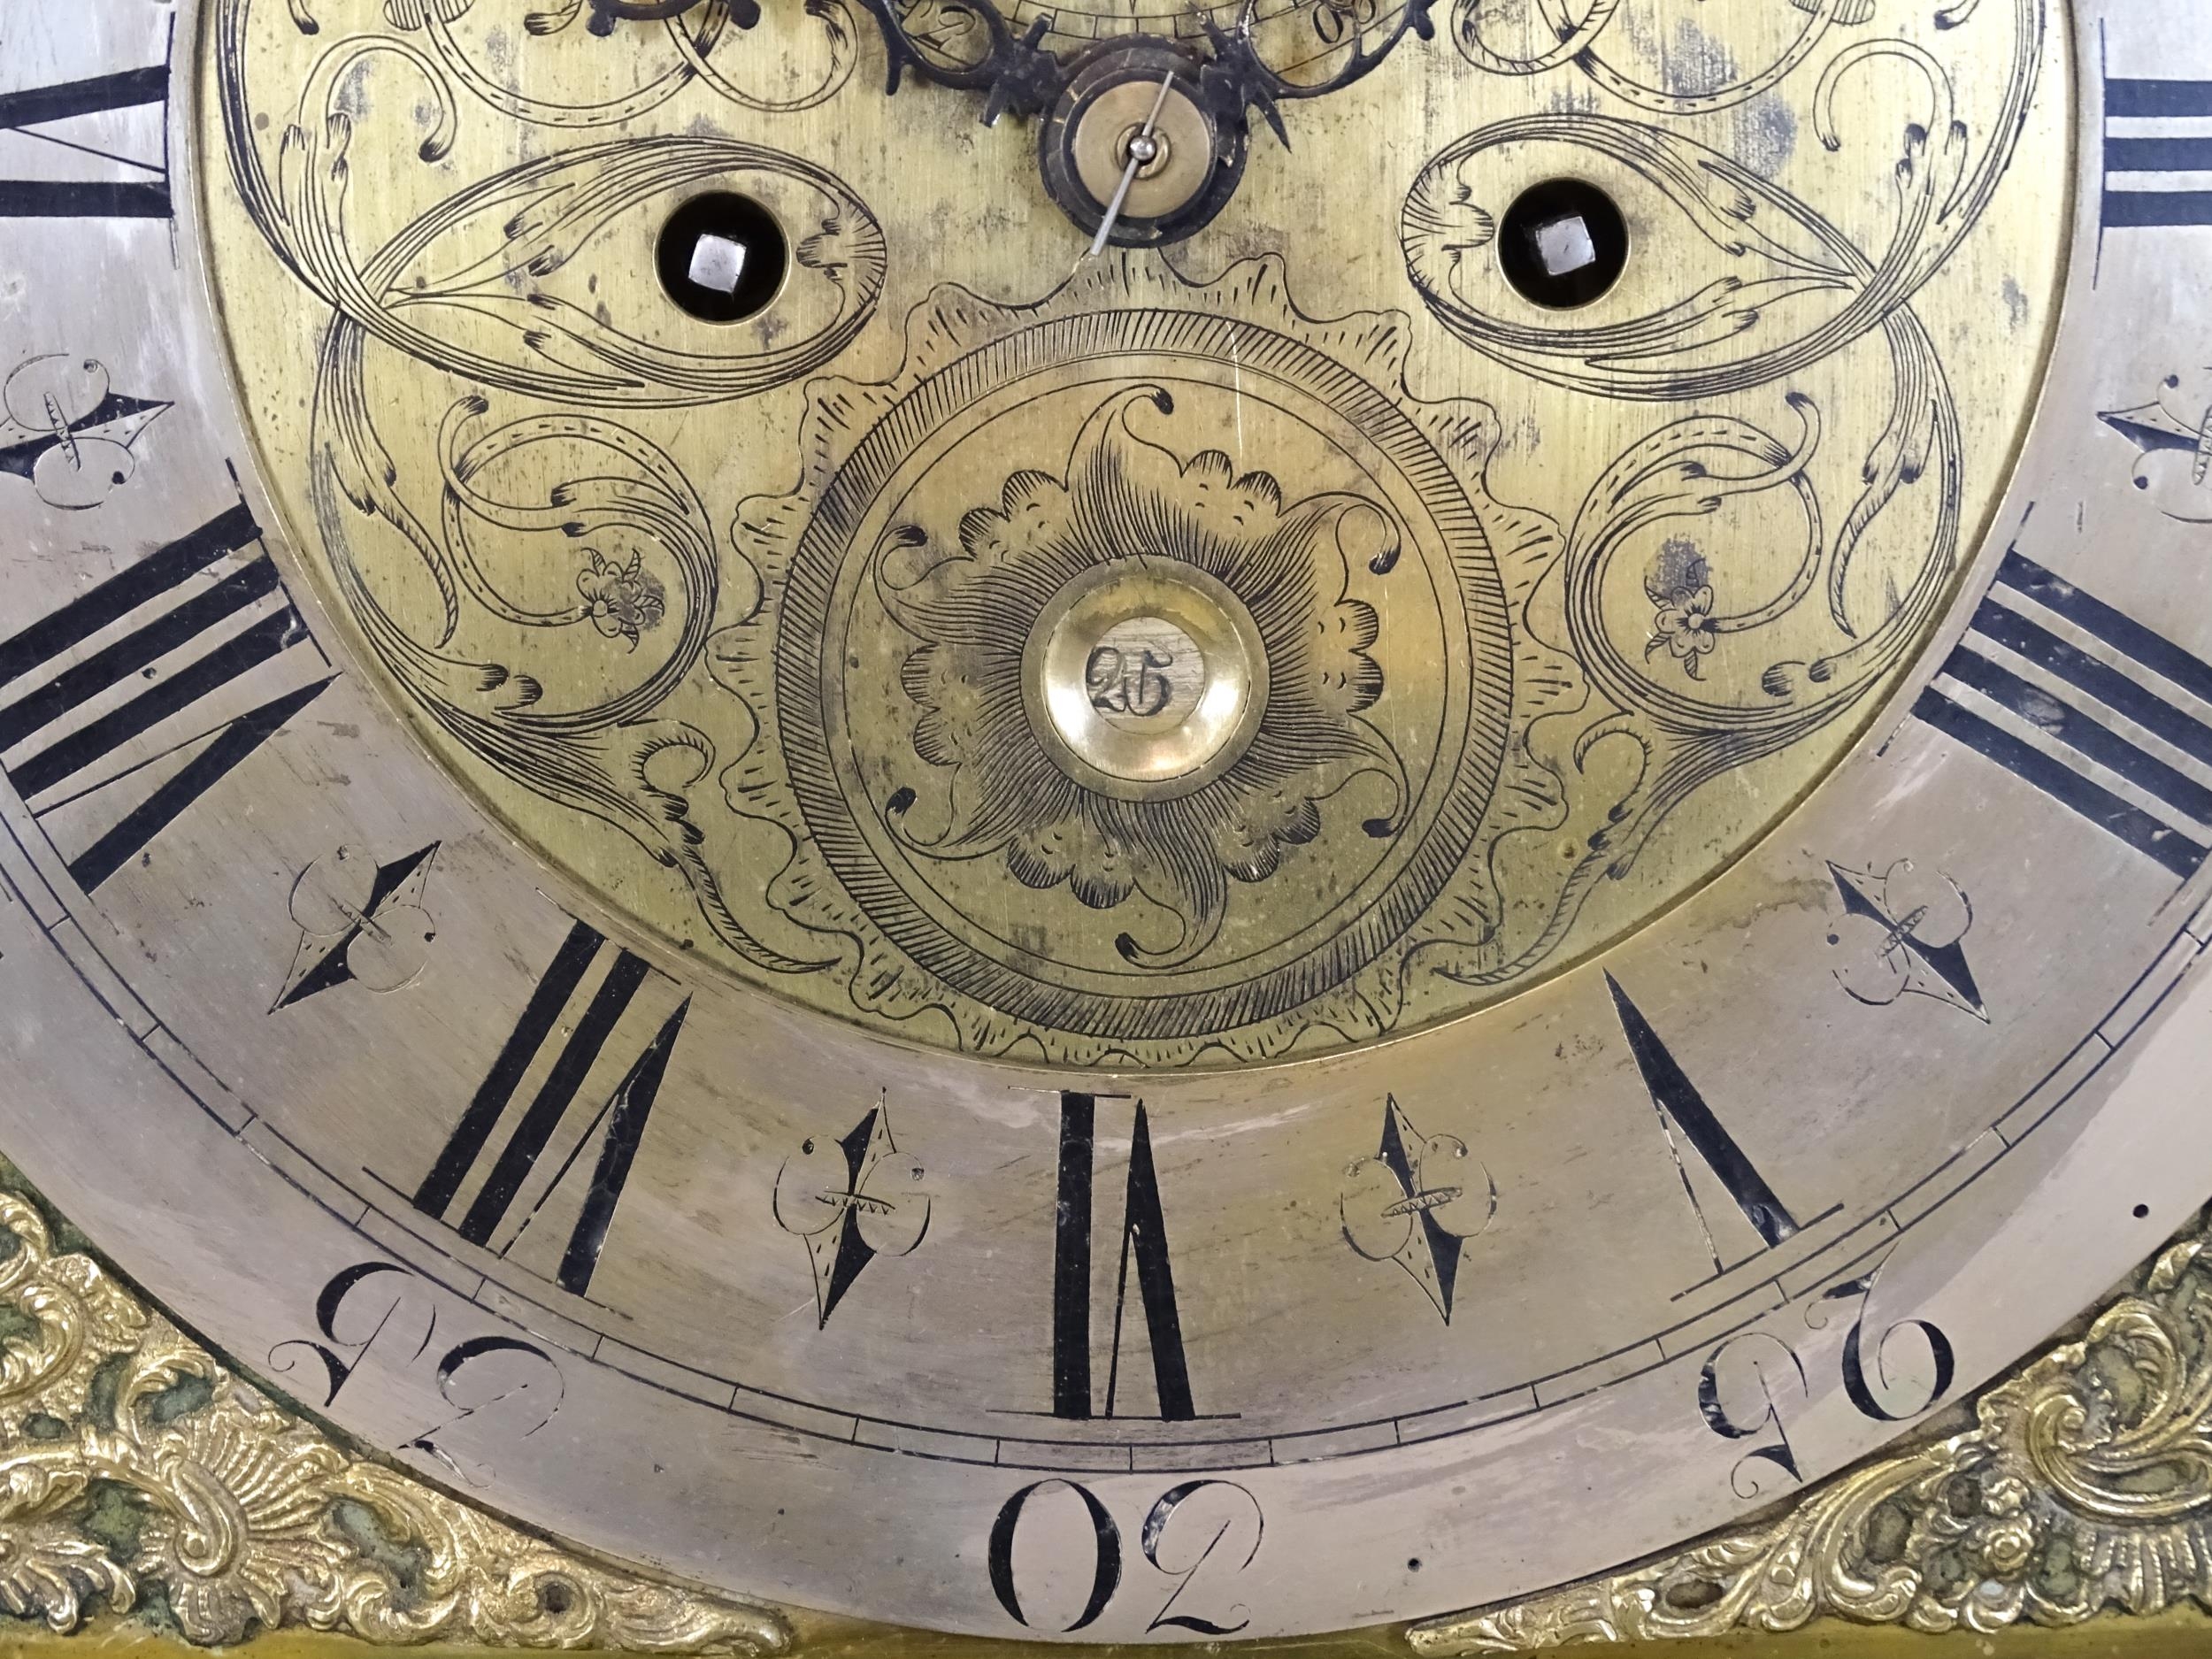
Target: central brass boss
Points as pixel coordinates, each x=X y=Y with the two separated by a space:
x=1144 y=678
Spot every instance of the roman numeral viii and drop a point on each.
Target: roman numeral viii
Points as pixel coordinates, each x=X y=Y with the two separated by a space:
x=576 y=1104
x=1142 y=1239
x=90 y=149
x=122 y=709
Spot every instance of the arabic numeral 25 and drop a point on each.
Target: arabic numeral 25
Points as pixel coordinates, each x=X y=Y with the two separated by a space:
x=1057 y=1554
x=1754 y=1381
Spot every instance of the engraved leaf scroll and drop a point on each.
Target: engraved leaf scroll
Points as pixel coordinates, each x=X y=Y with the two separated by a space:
x=806 y=704
x=497 y=285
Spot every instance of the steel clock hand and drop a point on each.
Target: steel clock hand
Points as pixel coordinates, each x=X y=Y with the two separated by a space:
x=1224 y=80
x=1143 y=147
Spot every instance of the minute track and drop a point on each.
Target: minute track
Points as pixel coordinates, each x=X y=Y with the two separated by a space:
x=1275 y=674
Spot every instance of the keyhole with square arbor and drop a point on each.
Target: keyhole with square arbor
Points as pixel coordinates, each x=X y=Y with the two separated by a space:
x=723 y=258
x=1562 y=243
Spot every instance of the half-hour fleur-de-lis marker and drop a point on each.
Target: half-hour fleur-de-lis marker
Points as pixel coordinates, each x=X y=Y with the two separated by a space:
x=63 y=427
x=1921 y=919
x=852 y=1199
x=1416 y=1202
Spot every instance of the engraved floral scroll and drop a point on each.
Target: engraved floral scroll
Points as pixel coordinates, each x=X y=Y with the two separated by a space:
x=586 y=568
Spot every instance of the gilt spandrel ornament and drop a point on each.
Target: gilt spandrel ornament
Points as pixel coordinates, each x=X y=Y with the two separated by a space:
x=136 y=1466
x=2077 y=1493
x=2081 y=1491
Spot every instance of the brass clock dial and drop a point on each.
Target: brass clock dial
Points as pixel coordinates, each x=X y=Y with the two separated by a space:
x=1378 y=804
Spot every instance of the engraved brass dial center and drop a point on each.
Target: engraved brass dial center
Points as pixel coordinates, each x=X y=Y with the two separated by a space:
x=1144 y=678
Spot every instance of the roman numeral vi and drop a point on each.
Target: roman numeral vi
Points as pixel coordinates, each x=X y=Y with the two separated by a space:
x=1143 y=1247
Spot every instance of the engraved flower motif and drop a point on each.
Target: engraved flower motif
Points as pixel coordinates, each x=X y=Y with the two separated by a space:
x=621 y=599
x=1049 y=853
x=1125 y=498
x=1680 y=585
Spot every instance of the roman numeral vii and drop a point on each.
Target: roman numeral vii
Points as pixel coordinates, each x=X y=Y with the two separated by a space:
x=490 y=1185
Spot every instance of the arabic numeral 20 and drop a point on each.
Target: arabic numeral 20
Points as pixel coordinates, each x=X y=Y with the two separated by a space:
x=1752 y=1382
x=1057 y=1555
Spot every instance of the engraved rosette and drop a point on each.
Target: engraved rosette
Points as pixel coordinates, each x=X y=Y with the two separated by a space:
x=970 y=858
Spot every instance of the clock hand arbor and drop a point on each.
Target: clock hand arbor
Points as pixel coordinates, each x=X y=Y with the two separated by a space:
x=1144 y=150
x=1209 y=90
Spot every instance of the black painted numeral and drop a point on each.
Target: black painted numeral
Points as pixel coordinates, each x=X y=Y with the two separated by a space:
x=1686 y=1118
x=614 y=1121
x=2085 y=727
x=497 y=1390
x=124 y=707
x=1902 y=1373
x=2151 y=152
x=66 y=121
x=1143 y=1246
x=1201 y=1534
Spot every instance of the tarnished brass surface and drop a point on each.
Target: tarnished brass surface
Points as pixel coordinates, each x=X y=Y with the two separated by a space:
x=1537 y=664
x=1232 y=938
